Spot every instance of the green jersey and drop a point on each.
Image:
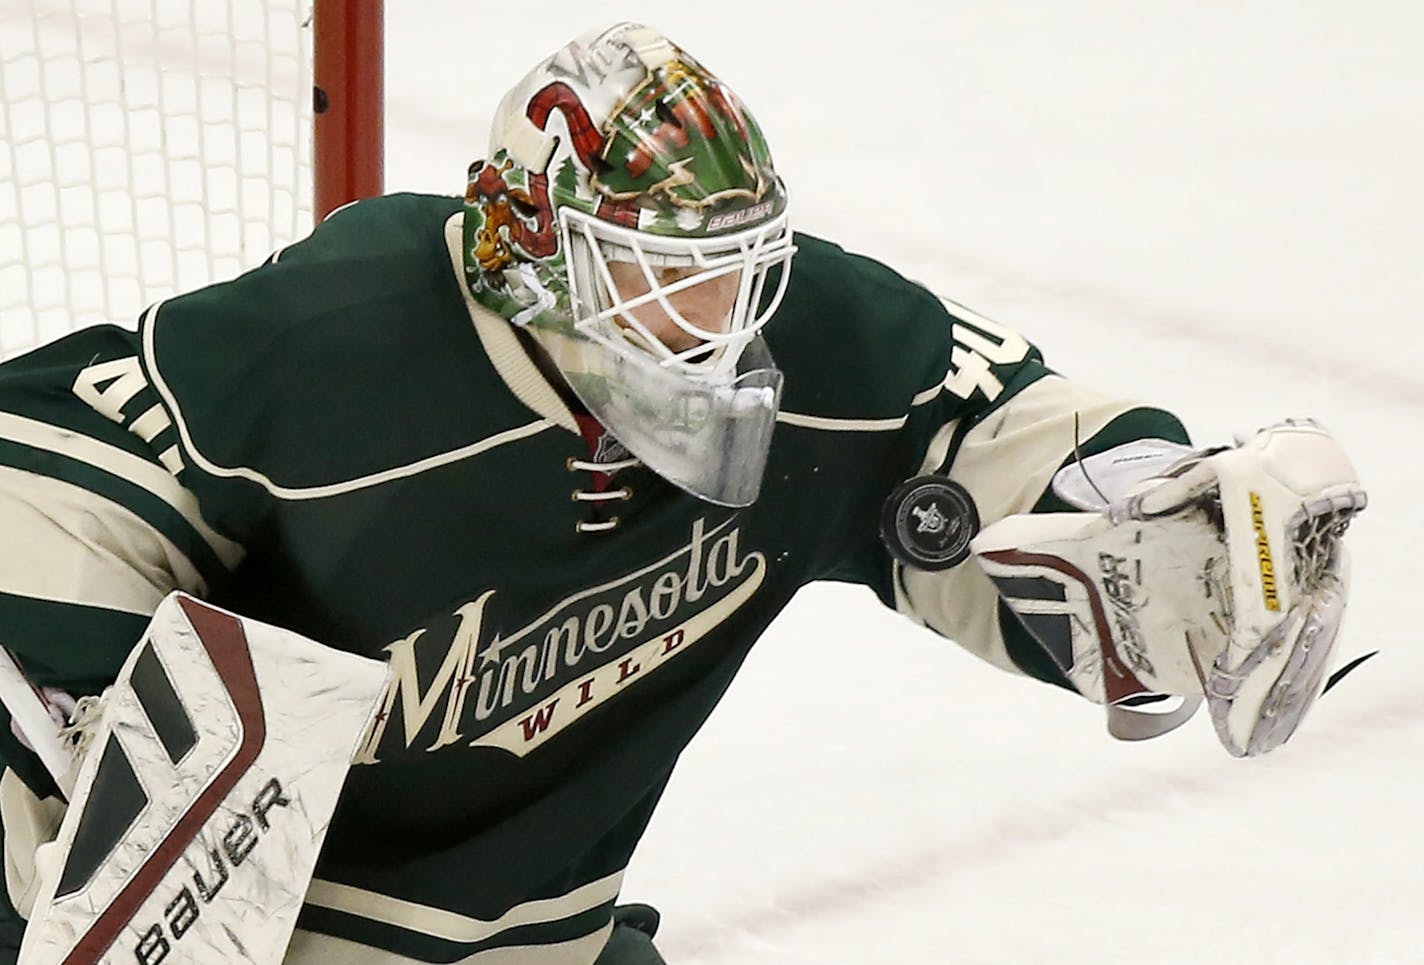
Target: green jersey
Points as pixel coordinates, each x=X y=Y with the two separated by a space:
x=344 y=443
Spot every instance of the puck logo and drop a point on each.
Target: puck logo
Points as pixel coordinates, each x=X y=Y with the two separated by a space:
x=928 y=521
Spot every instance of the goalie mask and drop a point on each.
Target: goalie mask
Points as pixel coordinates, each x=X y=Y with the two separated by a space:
x=629 y=219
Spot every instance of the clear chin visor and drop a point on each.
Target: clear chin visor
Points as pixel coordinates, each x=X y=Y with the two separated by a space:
x=670 y=359
x=709 y=438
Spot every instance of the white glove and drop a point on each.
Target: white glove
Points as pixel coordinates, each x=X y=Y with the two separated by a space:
x=1223 y=576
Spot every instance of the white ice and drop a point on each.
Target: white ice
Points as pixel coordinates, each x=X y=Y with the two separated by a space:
x=1218 y=207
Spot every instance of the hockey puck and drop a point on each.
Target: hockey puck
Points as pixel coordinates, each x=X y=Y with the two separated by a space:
x=928 y=521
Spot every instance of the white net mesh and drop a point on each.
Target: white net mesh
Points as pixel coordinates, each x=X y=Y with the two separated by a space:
x=147 y=147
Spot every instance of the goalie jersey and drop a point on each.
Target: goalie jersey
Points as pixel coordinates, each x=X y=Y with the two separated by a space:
x=343 y=443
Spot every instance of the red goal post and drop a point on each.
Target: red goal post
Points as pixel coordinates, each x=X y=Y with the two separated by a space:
x=148 y=147
x=349 y=102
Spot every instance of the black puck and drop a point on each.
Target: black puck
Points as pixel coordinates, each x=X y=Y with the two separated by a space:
x=928 y=521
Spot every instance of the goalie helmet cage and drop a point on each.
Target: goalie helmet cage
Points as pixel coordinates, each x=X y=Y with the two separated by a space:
x=154 y=146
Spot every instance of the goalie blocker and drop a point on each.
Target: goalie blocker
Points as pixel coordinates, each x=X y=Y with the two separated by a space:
x=209 y=773
x=1221 y=576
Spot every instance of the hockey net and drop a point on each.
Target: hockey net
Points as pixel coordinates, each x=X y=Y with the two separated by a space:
x=149 y=147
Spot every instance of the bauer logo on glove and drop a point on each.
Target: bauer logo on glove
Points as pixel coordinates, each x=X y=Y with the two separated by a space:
x=1221 y=577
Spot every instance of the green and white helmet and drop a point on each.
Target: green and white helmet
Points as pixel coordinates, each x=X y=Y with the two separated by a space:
x=625 y=185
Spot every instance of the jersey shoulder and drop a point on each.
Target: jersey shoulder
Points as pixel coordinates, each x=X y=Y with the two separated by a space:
x=340 y=357
x=387 y=229
x=856 y=339
x=377 y=251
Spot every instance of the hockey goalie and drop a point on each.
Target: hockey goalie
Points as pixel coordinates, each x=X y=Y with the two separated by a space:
x=362 y=606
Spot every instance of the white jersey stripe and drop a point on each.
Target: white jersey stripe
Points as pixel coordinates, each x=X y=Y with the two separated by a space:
x=451 y=926
x=312 y=948
x=831 y=424
x=841 y=425
x=928 y=395
x=71 y=535
x=327 y=490
x=124 y=465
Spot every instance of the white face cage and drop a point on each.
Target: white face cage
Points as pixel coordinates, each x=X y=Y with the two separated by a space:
x=700 y=412
x=605 y=314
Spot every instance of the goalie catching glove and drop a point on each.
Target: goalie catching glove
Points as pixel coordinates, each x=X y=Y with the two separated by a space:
x=1221 y=576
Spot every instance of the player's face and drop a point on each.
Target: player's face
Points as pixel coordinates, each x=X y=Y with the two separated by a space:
x=707 y=305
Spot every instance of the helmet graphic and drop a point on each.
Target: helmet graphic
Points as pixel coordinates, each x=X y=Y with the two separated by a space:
x=629 y=218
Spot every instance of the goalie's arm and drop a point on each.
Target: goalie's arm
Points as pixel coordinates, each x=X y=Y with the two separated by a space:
x=84 y=575
x=1126 y=566
x=1006 y=458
